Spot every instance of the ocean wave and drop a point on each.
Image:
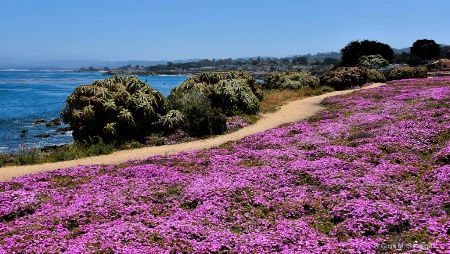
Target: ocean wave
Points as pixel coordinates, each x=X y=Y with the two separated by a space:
x=4 y=70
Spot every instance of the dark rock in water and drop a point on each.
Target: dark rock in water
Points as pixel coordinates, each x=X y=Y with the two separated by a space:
x=23 y=134
x=63 y=130
x=23 y=131
x=44 y=135
x=39 y=121
x=54 y=122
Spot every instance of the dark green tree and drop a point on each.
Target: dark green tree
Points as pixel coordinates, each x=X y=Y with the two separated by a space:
x=355 y=49
x=401 y=58
x=425 y=49
x=445 y=52
x=205 y=62
x=330 y=60
x=285 y=61
x=414 y=61
x=300 y=60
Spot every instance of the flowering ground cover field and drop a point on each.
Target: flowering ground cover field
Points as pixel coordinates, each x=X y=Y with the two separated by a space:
x=371 y=174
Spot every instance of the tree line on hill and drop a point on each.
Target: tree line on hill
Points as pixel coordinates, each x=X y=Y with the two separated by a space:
x=418 y=54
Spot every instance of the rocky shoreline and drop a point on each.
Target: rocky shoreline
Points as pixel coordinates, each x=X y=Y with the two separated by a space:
x=49 y=124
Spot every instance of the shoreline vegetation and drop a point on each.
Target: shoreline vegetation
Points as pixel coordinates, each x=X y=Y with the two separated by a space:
x=278 y=111
x=276 y=90
x=274 y=99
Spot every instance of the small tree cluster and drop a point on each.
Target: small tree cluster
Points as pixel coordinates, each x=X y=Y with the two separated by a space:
x=347 y=77
x=292 y=80
x=356 y=49
x=405 y=73
x=423 y=50
x=344 y=77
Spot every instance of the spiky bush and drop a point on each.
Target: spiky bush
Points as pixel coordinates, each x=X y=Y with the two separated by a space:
x=212 y=78
x=114 y=109
x=405 y=73
x=292 y=80
x=234 y=96
x=188 y=91
x=344 y=77
x=205 y=99
x=172 y=121
x=376 y=76
x=193 y=101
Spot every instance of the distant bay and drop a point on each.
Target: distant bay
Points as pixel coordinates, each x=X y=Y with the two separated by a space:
x=26 y=96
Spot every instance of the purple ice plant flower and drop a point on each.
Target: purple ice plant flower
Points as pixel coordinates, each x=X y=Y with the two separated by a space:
x=370 y=174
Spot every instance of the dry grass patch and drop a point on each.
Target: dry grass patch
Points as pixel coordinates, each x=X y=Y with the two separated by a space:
x=274 y=99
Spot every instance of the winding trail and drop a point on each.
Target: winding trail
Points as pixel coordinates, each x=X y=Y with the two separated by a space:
x=292 y=112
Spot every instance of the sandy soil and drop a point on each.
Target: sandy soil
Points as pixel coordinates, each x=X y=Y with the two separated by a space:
x=292 y=112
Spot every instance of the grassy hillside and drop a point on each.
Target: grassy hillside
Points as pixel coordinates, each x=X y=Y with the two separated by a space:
x=369 y=174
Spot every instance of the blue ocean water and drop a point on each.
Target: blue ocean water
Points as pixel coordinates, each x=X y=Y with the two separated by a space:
x=34 y=95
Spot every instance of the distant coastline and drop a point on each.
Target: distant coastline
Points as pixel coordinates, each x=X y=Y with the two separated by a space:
x=134 y=72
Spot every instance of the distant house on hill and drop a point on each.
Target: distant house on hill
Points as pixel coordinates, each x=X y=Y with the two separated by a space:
x=442 y=64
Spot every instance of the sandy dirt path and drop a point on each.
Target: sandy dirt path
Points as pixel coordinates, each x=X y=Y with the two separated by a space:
x=292 y=112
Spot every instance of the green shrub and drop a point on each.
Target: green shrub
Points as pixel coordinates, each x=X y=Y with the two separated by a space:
x=376 y=76
x=234 y=97
x=405 y=73
x=172 y=121
x=204 y=120
x=65 y=153
x=132 y=145
x=206 y=99
x=95 y=146
x=325 y=89
x=79 y=149
x=181 y=96
x=113 y=109
x=292 y=80
x=212 y=78
x=6 y=159
x=344 y=77
x=27 y=155
x=195 y=104
x=372 y=62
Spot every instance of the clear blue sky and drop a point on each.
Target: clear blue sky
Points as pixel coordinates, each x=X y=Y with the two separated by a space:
x=184 y=29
